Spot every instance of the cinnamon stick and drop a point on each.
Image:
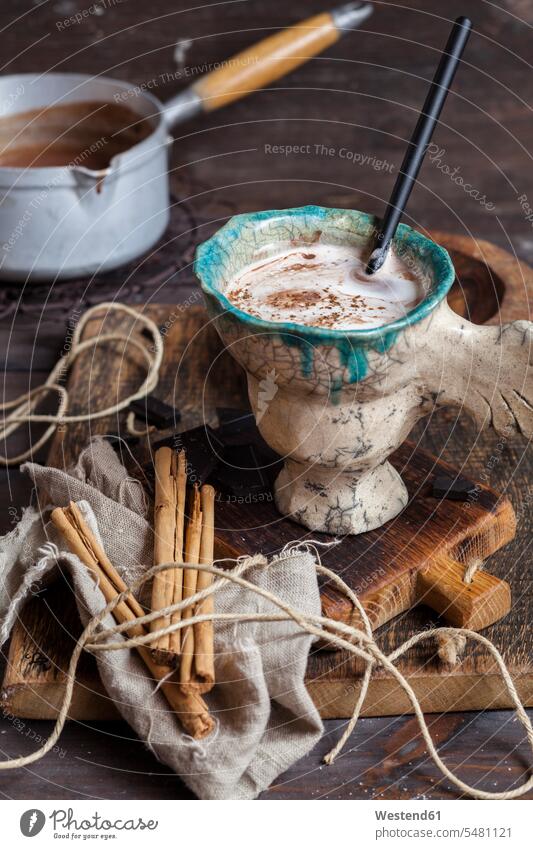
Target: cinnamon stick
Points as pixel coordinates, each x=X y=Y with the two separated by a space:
x=164 y=541
x=180 y=486
x=190 y=708
x=192 y=554
x=204 y=667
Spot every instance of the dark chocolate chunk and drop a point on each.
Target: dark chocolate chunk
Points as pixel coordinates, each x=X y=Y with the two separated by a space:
x=155 y=412
x=241 y=472
x=236 y=461
x=116 y=439
x=452 y=488
x=233 y=421
x=238 y=428
x=202 y=447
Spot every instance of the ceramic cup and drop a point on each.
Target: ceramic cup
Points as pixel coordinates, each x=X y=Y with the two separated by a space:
x=335 y=403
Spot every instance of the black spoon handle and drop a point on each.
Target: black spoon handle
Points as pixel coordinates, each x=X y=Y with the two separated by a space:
x=419 y=141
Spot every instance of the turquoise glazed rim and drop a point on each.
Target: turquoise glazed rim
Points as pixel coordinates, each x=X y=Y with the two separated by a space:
x=213 y=254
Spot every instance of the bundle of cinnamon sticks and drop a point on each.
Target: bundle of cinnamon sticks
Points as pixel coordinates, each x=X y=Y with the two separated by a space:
x=182 y=695
x=183 y=536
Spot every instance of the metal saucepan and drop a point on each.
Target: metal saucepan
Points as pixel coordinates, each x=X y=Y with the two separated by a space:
x=74 y=220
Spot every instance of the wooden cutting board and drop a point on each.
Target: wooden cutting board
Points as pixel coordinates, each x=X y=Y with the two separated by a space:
x=387 y=567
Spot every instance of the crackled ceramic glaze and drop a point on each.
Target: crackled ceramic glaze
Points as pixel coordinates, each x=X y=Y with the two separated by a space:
x=336 y=403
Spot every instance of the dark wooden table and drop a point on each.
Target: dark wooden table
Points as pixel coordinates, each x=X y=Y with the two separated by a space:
x=360 y=98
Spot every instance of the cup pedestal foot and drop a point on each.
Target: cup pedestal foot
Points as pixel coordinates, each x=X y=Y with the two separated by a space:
x=339 y=503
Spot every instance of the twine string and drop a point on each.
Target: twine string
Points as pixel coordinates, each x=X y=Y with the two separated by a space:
x=451 y=647
x=358 y=642
x=23 y=408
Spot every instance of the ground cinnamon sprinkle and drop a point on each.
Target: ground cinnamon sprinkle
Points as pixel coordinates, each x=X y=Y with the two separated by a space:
x=288 y=298
x=302 y=266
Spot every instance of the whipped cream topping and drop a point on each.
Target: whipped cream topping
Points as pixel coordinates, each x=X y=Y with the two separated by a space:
x=323 y=285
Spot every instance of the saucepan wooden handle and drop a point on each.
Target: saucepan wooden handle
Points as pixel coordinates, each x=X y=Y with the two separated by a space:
x=276 y=56
x=474 y=605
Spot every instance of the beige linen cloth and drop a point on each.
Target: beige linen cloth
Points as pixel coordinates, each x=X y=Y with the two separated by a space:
x=265 y=719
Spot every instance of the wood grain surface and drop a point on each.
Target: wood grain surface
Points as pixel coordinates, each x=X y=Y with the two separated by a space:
x=358 y=99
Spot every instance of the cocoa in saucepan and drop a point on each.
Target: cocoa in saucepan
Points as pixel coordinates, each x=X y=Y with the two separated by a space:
x=87 y=134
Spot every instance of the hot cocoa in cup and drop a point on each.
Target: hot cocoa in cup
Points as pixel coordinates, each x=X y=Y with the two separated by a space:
x=336 y=383
x=325 y=285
